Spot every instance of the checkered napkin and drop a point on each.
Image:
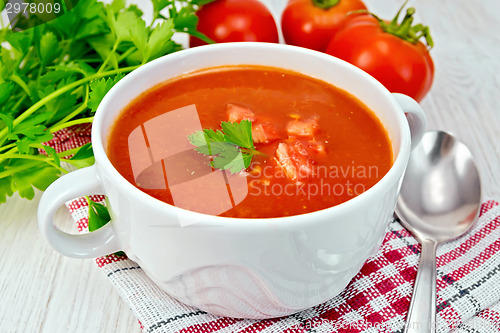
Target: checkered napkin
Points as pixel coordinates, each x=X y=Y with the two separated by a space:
x=376 y=300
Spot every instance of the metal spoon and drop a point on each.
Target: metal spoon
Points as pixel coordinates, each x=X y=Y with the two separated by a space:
x=439 y=201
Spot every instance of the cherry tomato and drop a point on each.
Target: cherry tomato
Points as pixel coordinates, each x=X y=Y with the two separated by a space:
x=312 y=23
x=401 y=63
x=236 y=21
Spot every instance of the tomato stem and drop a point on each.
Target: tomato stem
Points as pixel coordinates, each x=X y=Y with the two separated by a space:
x=406 y=30
x=325 y=4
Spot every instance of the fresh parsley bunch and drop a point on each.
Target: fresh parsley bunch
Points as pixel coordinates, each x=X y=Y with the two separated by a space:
x=55 y=75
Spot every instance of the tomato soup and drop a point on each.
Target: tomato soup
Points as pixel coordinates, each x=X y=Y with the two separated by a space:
x=318 y=145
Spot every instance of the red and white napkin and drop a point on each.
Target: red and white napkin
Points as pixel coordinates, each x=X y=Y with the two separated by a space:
x=376 y=300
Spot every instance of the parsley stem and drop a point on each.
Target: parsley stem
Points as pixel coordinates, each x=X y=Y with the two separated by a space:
x=15 y=150
x=68 y=152
x=19 y=102
x=251 y=151
x=26 y=166
x=15 y=78
x=76 y=112
x=43 y=101
x=12 y=145
x=41 y=158
x=90 y=60
x=67 y=44
x=71 y=123
x=126 y=54
x=111 y=53
x=14 y=170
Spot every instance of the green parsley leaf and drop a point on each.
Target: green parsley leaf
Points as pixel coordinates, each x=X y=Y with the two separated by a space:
x=99 y=88
x=228 y=158
x=159 y=5
x=124 y=22
x=21 y=41
x=231 y=149
x=41 y=179
x=6 y=89
x=216 y=136
x=5 y=188
x=30 y=131
x=201 y=2
x=22 y=185
x=83 y=152
x=98 y=215
x=83 y=157
x=207 y=141
x=198 y=138
x=139 y=36
x=8 y=121
x=104 y=45
x=159 y=41
x=48 y=82
x=52 y=152
x=238 y=133
x=8 y=61
x=117 y=5
x=49 y=48
x=136 y=10
x=186 y=20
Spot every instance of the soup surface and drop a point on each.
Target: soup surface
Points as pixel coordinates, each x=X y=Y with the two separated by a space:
x=319 y=146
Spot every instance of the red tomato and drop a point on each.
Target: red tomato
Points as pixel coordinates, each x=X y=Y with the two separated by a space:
x=400 y=65
x=236 y=21
x=312 y=23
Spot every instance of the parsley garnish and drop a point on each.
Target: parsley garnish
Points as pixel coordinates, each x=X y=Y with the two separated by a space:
x=231 y=149
x=54 y=75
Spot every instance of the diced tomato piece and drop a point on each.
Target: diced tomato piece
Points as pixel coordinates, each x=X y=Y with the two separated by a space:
x=295 y=160
x=303 y=127
x=316 y=146
x=238 y=113
x=264 y=133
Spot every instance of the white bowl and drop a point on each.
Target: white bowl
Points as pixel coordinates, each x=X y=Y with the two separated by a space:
x=249 y=268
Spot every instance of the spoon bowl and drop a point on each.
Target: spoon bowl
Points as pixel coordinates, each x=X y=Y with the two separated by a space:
x=439 y=201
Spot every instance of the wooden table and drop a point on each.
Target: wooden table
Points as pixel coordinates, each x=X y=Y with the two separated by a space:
x=42 y=291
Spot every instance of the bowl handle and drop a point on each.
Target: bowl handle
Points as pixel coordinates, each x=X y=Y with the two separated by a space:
x=73 y=185
x=415 y=116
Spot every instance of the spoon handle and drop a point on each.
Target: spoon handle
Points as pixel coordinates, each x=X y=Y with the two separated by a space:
x=422 y=313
